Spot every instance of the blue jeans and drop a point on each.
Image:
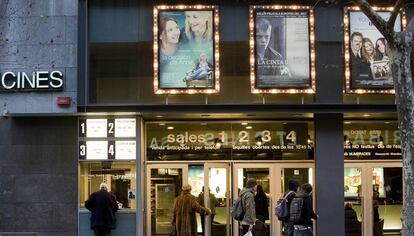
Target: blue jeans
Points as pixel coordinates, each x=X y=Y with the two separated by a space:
x=288 y=228
x=198 y=74
x=303 y=232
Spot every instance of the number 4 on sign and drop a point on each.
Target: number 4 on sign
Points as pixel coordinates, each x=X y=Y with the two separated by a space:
x=111 y=150
x=291 y=136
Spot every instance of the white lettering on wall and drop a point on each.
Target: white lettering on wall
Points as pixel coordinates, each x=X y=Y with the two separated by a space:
x=38 y=80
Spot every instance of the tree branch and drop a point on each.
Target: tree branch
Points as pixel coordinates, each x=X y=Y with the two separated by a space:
x=410 y=26
x=380 y=24
x=394 y=13
x=3 y=7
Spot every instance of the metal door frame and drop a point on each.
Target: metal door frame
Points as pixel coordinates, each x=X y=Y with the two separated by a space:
x=207 y=222
x=276 y=191
x=148 y=168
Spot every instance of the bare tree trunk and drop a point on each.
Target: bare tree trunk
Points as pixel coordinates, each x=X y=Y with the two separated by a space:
x=404 y=94
x=3 y=7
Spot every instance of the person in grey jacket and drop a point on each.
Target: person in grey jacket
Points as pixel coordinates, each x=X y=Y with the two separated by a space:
x=247 y=195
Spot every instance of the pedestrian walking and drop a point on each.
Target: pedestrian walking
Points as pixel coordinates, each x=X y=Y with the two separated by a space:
x=301 y=212
x=249 y=206
x=289 y=196
x=184 y=219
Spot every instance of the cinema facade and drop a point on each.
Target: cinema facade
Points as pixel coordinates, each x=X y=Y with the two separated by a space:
x=130 y=94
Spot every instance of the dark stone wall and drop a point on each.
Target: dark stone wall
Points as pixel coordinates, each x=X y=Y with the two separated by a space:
x=39 y=175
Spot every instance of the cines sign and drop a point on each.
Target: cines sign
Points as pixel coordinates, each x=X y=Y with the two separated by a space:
x=38 y=80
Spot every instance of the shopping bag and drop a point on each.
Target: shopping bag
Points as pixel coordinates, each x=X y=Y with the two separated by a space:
x=249 y=233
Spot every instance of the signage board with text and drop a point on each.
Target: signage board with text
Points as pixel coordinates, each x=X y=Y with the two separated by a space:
x=107 y=139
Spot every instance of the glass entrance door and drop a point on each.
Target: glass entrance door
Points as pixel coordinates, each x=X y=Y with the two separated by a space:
x=217 y=181
x=375 y=192
x=273 y=178
x=164 y=183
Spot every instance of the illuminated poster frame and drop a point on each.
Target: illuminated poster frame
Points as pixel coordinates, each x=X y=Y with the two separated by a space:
x=184 y=66
x=369 y=81
x=288 y=79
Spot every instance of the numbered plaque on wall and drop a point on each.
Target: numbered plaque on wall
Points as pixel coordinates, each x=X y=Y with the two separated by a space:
x=107 y=139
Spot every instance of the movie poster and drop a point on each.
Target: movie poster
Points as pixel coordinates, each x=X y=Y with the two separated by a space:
x=282 y=49
x=368 y=57
x=186 y=49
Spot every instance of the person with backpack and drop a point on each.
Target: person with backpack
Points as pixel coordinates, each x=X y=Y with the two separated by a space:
x=249 y=206
x=301 y=212
x=287 y=198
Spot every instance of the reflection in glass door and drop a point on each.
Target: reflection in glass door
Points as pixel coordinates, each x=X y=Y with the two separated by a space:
x=217 y=200
x=375 y=193
x=164 y=183
x=262 y=174
x=302 y=174
x=387 y=200
x=353 y=200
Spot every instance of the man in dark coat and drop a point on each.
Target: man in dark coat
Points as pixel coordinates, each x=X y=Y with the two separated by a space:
x=103 y=206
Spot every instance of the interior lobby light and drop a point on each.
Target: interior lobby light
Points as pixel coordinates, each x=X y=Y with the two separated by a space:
x=259 y=141
x=309 y=140
x=249 y=127
x=218 y=143
x=170 y=127
x=244 y=123
x=346 y=140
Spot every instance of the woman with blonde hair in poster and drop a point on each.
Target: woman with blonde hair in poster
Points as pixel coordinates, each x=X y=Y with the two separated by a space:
x=198 y=26
x=368 y=50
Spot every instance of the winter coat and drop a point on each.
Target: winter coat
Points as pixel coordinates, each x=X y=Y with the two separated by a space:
x=103 y=206
x=352 y=225
x=262 y=207
x=307 y=213
x=249 y=206
x=184 y=219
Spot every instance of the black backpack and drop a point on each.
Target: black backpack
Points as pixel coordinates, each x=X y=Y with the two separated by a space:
x=295 y=213
x=237 y=210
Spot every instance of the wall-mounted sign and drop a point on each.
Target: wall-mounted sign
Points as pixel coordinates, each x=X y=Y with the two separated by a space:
x=186 y=49
x=125 y=127
x=125 y=149
x=282 y=54
x=95 y=128
x=35 y=81
x=242 y=140
x=366 y=142
x=367 y=65
x=273 y=141
x=107 y=139
x=100 y=128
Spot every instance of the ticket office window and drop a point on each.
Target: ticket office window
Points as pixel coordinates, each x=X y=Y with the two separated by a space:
x=120 y=176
